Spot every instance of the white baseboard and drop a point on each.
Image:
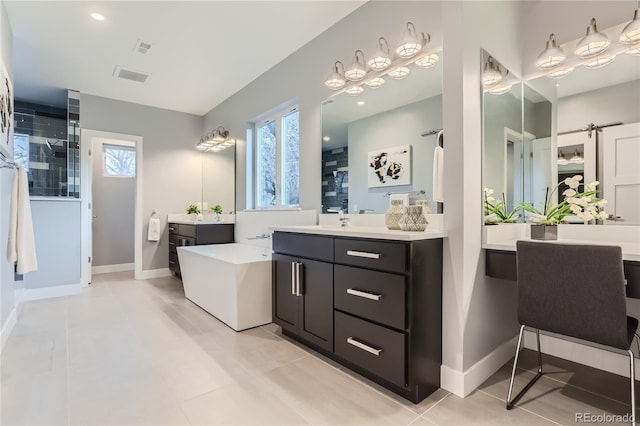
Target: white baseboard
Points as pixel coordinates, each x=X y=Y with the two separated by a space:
x=153 y=273
x=51 y=292
x=7 y=328
x=462 y=383
x=106 y=269
x=601 y=359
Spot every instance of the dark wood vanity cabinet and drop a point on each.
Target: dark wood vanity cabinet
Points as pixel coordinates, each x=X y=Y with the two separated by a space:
x=181 y=235
x=373 y=305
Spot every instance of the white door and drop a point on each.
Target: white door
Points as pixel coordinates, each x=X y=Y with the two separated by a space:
x=541 y=172
x=621 y=174
x=86 y=215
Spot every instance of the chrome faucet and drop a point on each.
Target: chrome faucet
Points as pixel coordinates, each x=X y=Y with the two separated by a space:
x=260 y=237
x=344 y=221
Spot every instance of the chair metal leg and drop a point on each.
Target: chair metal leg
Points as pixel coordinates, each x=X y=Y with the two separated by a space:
x=632 y=366
x=512 y=402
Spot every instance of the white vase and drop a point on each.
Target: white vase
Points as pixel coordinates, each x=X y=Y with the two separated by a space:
x=393 y=214
x=413 y=219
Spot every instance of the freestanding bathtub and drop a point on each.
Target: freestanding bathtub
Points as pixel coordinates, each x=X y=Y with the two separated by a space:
x=230 y=281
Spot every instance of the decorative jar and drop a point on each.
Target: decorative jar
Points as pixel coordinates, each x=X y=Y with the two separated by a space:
x=413 y=219
x=393 y=214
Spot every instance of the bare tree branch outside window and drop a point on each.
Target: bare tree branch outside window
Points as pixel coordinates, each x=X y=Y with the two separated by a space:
x=119 y=161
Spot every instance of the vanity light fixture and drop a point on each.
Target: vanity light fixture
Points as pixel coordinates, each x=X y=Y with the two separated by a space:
x=354 y=90
x=374 y=83
x=399 y=73
x=219 y=135
x=216 y=140
x=411 y=45
x=599 y=61
x=576 y=158
x=357 y=70
x=427 y=61
x=336 y=79
x=97 y=16
x=593 y=43
x=634 y=51
x=562 y=160
x=552 y=56
x=492 y=74
x=382 y=58
x=501 y=90
x=560 y=72
x=631 y=32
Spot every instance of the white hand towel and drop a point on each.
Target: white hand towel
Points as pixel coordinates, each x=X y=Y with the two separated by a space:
x=154 y=229
x=21 y=246
x=438 y=176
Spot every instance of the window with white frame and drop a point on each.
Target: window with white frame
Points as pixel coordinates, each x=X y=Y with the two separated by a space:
x=119 y=160
x=277 y=148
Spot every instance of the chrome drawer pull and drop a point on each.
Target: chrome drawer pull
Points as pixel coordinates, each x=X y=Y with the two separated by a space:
x=363 y=254
x=363 y=294
x=172 y=229
x=172 y=244
x=293 y=278
x=298 y=264
x=360 y=345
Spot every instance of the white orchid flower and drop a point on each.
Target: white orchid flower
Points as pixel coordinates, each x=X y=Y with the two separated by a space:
x=488 y=191
x=601 y=203
x=591 y=186
x=491 y=200
x=569 y=193
x=537 y=218
x=573 y=182
x=586 y=216
x=575 y=209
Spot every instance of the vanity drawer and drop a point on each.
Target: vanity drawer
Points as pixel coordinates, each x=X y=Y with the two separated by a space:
x=383 y=255
x=378 y=296
x=187 y=230
x=180 y=241
x=374 y=348
x=174 y=228
x=173 y=262
x=632 y=275
x=304 y=245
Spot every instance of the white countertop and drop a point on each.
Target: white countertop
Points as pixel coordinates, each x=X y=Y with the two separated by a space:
x=363 y=232
x=630 y=251
x=199 y=222
x=202 y=219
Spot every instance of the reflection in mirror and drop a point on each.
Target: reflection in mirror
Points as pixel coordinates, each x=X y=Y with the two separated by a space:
x=401 y=113
x=598 y=119
x=503 y=165
x=218 y=180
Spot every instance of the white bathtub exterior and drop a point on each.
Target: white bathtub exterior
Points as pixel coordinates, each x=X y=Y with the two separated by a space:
x=230 y=281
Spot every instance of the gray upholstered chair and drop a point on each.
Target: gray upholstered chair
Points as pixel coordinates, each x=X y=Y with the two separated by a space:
x=574 y=290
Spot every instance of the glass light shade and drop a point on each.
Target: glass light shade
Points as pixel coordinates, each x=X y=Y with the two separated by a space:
x=382 y=58
x=576 y=158
x=217 y=148
x=354 y=91
x=411 y=45
x=357 y=71
x=501 y=90
x=228 y=143
x=427 y=61
x=335 y=81
x=201 y=147
x=599 y=62
x=491 y=74
x=552 y=56
x=374 y=83
x=593 y=43
x=562 y=160
x=560 y=73
x=399 y=73
x=631 y=32
x=634 y=51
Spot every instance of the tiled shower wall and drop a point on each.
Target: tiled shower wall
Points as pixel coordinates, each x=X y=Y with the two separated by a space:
x=335 y=179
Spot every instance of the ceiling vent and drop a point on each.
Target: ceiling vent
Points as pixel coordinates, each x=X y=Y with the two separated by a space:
x=129 y=74
x=142 y=47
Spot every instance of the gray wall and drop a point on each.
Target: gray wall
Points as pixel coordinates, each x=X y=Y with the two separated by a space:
x=300 y=76
x=114 y=205
x=172 y=168
x=57 y=233
x=6 y=176
x=400 y=126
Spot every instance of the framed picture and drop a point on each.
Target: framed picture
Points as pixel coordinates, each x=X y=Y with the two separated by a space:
x=6 y=114
x=389 y=167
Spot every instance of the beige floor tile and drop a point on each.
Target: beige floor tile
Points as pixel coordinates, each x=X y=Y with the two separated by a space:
x=480 y=409
x=33 y=354
x=324 y=395
x=555 y=400
x=242 y=403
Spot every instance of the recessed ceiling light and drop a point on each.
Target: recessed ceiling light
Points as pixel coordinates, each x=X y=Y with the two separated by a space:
x=326 y=138
x=97 y=16
x=360 y=103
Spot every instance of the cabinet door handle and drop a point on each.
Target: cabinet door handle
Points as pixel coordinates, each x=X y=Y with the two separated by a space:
x=293 y=278
x=298 y=292
x=171 y=228
x=172 y=243
x=360 y=345
x=364 y=294
x=172 y=262
x=363 y=254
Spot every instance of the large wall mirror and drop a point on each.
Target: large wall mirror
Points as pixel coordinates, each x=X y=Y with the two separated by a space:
x=598 y=133
x=218 y=179
x=400 y=120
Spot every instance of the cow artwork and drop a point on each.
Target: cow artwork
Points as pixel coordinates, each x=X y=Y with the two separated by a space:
x=389 y=167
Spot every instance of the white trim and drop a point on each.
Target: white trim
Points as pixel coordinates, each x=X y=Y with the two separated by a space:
x=153 y=273
x=463 y=383
x=106 y=269
x=51 y=292
x=616 y=363
x=7 y=328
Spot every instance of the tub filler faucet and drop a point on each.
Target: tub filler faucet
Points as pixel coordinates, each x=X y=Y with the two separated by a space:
x=260 y=237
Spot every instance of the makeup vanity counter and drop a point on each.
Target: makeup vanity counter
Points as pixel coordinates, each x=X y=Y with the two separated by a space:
x=369 y=298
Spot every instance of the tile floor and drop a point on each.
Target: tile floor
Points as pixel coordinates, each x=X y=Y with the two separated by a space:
x=128 y=352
